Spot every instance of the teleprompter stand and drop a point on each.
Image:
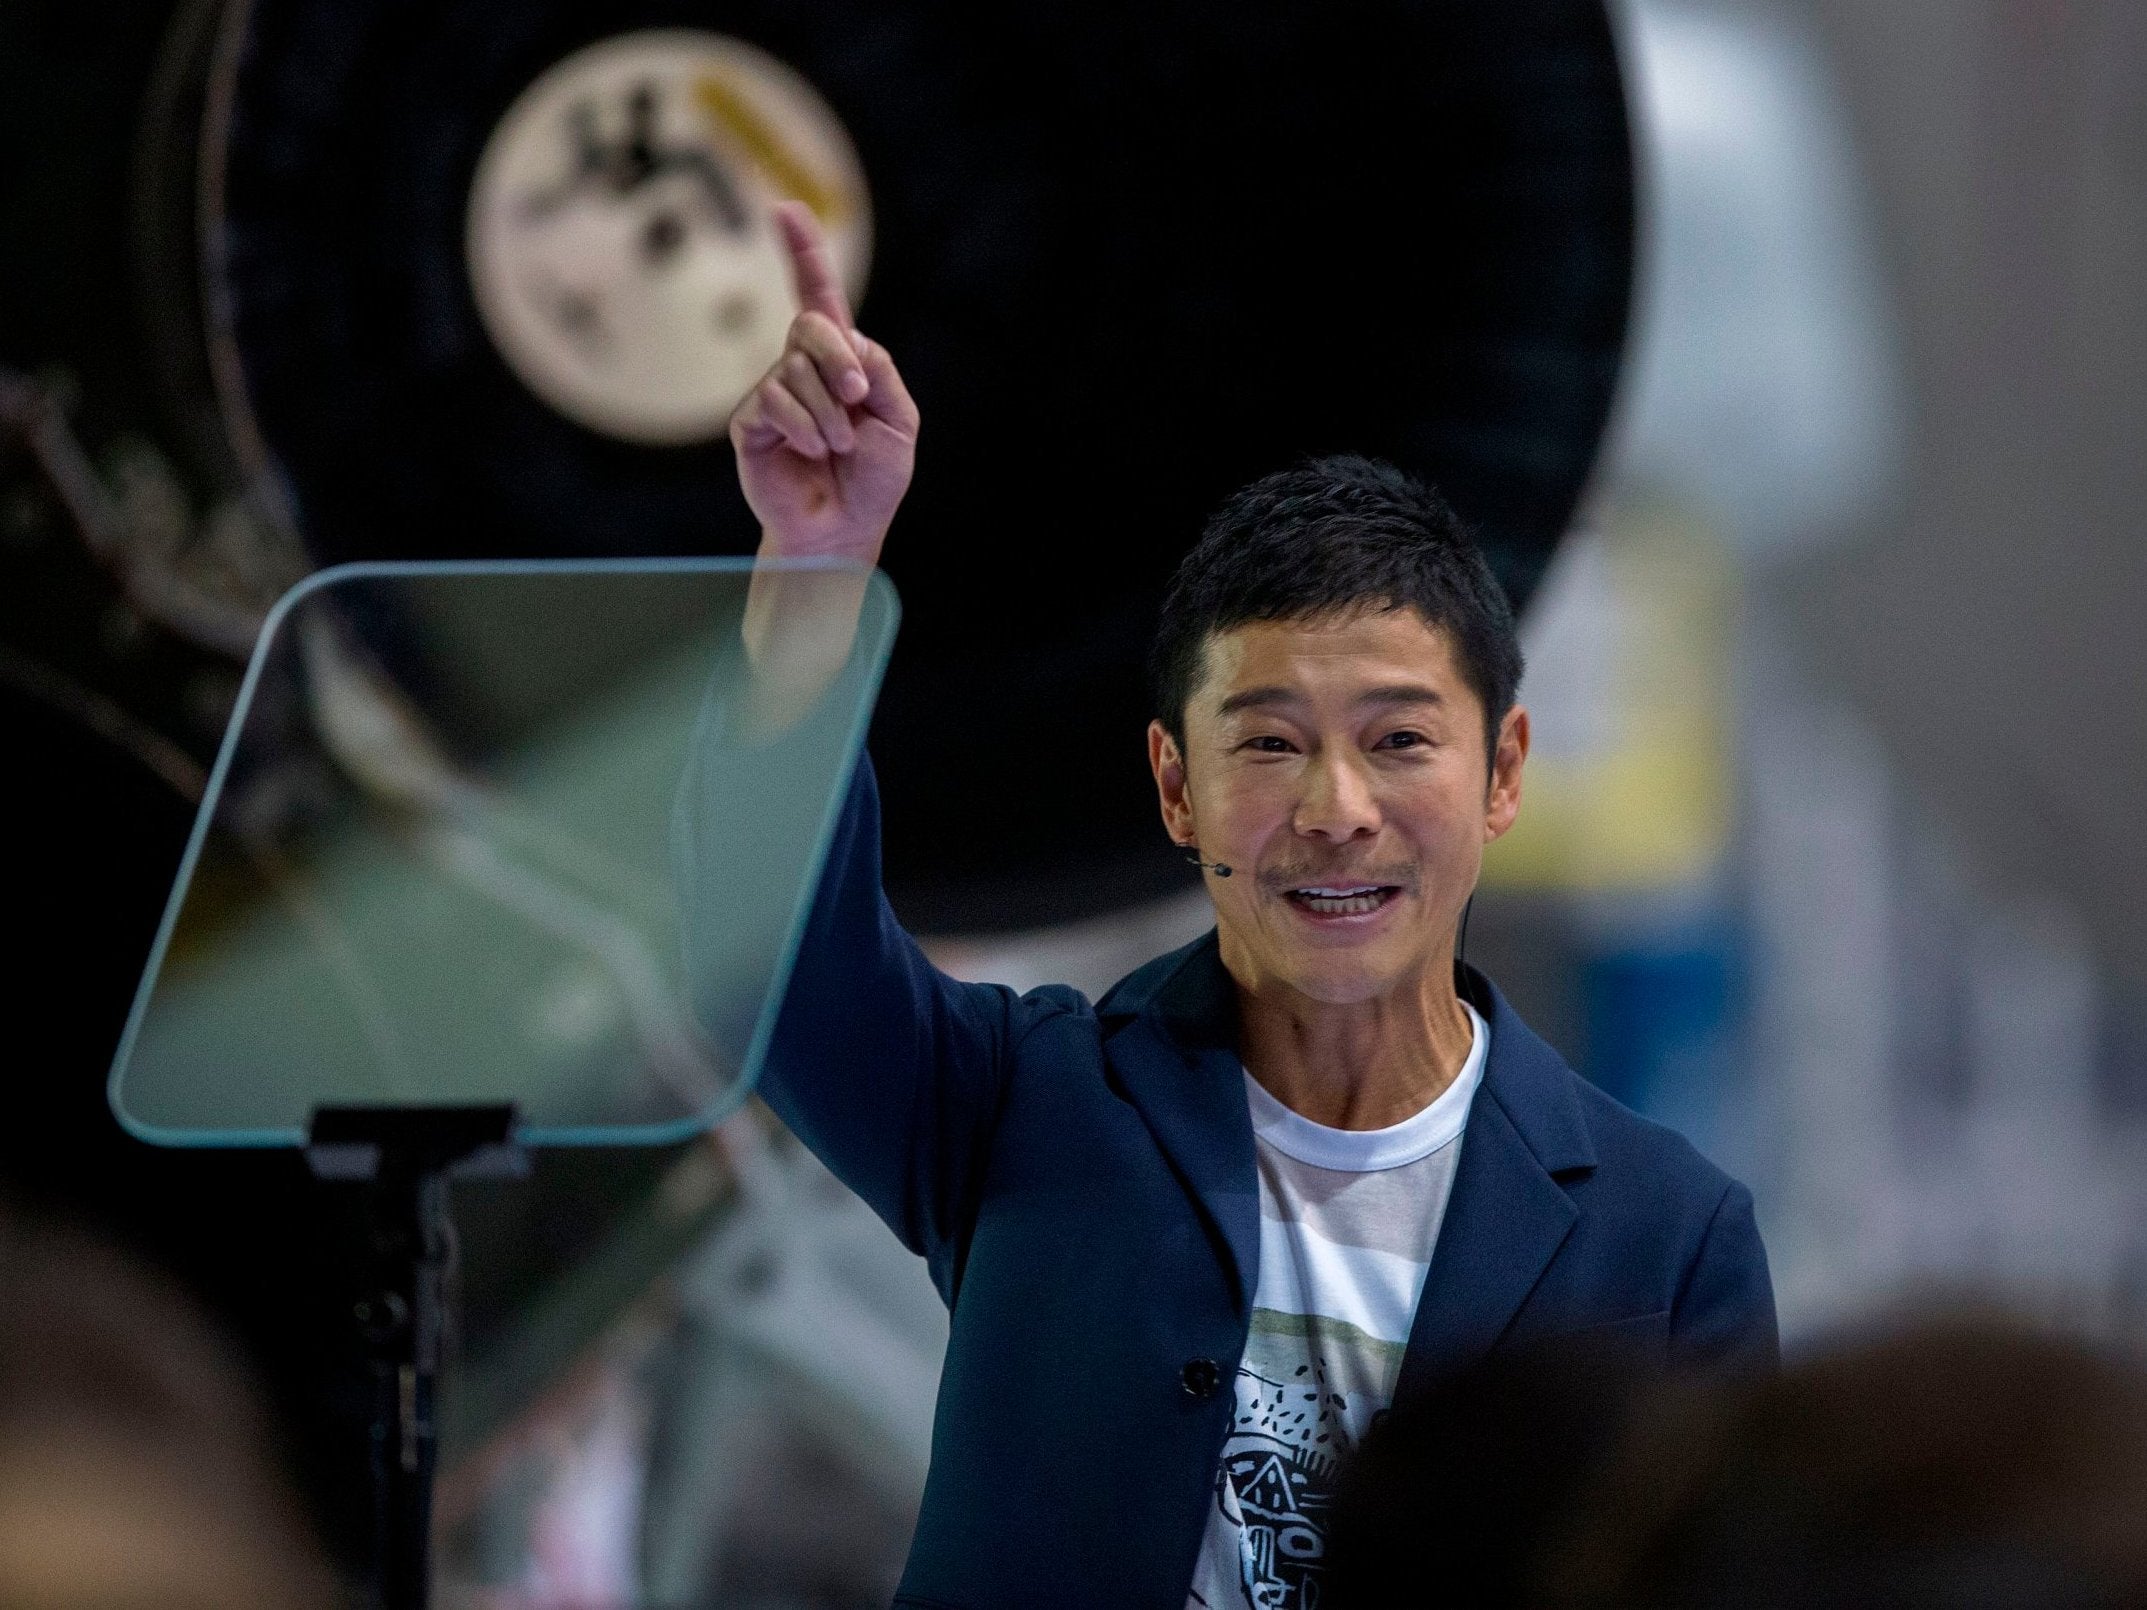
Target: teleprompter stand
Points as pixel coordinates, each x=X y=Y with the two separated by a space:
x=402 y=917
x=404 y=1158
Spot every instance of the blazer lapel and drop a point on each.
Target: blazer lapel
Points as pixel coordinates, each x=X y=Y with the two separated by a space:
x=1505 y=1221
x=1507 y=1215
x=1172 y=1041
x=1174 y=1050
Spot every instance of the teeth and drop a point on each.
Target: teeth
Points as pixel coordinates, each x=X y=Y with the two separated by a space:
x=1340 y=903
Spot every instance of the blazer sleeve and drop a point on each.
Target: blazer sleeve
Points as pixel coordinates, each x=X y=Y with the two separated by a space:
x=890 y=1071
x=1724 y=1314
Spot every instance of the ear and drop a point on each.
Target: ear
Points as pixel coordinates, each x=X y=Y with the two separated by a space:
x=1503 y=801
x=1168 y=764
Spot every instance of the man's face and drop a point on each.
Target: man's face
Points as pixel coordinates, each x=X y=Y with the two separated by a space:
x=1337 y=766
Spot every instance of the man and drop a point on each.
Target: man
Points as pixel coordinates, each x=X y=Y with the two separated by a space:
x=1194 y=1236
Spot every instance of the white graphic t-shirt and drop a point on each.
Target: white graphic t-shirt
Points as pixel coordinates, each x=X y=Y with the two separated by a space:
x=1348 y=1218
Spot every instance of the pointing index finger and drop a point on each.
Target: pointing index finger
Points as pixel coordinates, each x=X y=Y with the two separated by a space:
x=812 y=271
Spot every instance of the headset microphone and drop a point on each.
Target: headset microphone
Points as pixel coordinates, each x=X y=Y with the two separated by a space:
x=1216 y=867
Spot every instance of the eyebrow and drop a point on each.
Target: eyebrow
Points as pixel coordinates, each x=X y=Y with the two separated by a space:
x=1392 y=693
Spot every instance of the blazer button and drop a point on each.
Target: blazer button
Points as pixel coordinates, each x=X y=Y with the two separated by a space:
x=1200 y=1377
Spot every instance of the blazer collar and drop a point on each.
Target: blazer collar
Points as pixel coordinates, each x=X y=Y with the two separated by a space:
x=1171 y=1034
x=1508 y=1213
x=1530 y=1082
x=1192 y=1002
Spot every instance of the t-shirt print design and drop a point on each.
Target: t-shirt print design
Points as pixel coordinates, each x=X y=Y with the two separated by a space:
x=1293 y=1425
x=1348 y=1220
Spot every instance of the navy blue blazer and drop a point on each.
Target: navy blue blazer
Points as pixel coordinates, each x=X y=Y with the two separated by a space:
x=1080 y=1179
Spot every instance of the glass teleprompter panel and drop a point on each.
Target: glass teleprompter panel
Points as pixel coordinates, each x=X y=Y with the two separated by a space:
x=539 y=833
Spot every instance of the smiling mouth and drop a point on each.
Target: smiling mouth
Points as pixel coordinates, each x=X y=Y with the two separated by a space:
x=1342 y=899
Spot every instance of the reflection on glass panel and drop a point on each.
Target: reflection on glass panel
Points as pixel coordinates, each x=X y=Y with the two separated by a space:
x=486 y=834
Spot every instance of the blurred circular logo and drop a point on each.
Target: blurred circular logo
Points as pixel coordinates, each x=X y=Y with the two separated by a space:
x=618 y=235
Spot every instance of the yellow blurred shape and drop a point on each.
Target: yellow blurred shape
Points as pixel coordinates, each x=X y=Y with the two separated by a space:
x=1645 y=800
x=735 y=115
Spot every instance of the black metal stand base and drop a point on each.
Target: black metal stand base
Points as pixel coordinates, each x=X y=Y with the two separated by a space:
x=404 y=1158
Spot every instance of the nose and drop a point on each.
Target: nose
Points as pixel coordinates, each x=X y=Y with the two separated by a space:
x=1337 y=802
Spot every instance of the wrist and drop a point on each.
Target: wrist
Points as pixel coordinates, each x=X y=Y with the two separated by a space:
x=851 y=546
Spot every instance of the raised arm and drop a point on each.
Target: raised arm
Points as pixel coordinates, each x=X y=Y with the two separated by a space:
x=888 y=1069
x=826 y=443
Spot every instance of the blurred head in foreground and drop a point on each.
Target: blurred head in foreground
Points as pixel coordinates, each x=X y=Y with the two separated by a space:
x=1451 y=1500
x=134 y=1469
x=1954 y=1465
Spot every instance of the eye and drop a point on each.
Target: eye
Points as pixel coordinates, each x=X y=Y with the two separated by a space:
x=1403 y=740
x=1268 y=744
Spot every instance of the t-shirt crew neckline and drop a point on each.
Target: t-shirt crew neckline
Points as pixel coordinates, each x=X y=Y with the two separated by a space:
x=1362 y=1151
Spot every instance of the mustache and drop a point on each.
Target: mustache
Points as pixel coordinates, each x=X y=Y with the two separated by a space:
x=1280 y=880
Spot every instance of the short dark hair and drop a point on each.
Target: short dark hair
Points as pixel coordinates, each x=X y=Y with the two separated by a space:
x=1326 y=537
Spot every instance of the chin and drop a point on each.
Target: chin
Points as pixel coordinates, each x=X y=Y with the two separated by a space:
x=1334 y=968
x=1338 y=980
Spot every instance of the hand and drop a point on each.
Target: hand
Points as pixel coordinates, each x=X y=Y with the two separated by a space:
x=827 y=440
